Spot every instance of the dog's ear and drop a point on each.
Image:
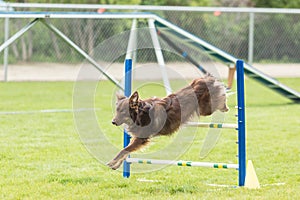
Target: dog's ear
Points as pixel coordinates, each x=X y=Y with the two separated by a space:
x=144 y=114
x=120 y=96
x=134 y=100
x=147 y=107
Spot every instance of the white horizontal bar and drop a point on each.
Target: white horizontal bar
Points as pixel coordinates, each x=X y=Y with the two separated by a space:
x=154 y=8
x=71 y=15
x=211 y=125
x=183 y=163
x=25 y=112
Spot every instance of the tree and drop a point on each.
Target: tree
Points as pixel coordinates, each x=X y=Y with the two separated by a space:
x=277 y=3
x=233 y=3
x=175 y=2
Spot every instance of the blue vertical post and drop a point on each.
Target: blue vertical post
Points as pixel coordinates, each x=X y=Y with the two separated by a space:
x=127 y=92
x=241 y=122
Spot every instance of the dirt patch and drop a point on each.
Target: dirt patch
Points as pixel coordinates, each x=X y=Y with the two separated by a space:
x=69 y=72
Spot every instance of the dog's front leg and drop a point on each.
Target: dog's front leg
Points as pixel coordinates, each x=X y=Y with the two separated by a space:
x=134 y=145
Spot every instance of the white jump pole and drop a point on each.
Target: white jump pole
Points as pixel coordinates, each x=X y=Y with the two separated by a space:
x=211 y=125
x=183 y=163
x=159 y=55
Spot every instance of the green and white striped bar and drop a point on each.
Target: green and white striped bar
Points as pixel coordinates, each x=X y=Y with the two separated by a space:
x=211 y=125
x=183 y=163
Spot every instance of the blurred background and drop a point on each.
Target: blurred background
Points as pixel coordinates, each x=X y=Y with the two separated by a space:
x=268 y=38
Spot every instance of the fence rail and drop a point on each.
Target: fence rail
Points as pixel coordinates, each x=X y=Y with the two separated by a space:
x=151 y=8
x=257 y=35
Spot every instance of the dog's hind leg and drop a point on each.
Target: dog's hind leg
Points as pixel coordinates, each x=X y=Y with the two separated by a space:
x=134 y=145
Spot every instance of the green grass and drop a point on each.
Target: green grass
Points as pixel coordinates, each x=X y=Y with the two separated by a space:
x=42 y=156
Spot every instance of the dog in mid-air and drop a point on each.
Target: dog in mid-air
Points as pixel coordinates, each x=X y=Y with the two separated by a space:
x=154 y=116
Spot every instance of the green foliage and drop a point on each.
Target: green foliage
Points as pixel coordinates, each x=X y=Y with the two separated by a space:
x=277 y=3
x=175 y=2
x=273 y=36
x=58 y=1
x=257 y=3
x=126 y=2
x=276 y=37
x=120 y=2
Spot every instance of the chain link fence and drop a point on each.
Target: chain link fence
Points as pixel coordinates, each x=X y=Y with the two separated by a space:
x=272 y=38
x=276 y=36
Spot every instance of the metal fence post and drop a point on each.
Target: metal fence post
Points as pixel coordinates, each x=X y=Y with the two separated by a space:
x=251 y=38
x=5 y=55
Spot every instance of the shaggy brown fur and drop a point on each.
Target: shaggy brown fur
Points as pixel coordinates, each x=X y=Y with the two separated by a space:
x=154 y=117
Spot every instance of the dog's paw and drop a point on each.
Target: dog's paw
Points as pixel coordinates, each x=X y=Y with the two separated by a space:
x=117 y=161
x=114 y=164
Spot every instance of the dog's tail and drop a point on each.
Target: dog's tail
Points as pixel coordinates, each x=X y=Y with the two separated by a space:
x=207 y=88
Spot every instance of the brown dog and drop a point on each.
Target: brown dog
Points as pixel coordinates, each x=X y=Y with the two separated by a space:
x=153 y=117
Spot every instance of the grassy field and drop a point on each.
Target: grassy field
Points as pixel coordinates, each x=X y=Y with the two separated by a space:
x=42 y=156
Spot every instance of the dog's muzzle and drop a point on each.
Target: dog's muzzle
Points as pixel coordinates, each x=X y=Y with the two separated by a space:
x=114 y=122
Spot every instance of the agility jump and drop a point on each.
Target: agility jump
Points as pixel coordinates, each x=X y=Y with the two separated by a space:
x=240 y=127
